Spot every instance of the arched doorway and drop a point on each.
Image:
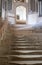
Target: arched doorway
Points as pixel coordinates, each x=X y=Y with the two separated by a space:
x=20 y=14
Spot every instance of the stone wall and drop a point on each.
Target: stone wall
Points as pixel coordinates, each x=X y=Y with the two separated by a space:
x=0 y=8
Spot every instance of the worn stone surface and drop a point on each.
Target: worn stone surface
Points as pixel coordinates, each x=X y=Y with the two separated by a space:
x=15 y=49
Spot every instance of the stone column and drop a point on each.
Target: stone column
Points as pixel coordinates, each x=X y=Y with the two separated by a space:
x=29 y=6
x=32 y=2
x=36 y=5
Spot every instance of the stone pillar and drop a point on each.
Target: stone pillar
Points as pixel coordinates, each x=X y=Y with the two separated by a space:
x=32 y=2
x=29 y=6
x=36 y=5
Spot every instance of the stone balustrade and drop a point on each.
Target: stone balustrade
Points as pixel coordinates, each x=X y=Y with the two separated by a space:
x=3 y=29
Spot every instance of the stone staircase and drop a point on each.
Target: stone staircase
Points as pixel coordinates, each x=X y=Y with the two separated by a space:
x=22 y=50
x=25 y=50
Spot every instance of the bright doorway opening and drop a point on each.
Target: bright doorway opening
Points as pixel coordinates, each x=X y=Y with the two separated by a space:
x=20 y=14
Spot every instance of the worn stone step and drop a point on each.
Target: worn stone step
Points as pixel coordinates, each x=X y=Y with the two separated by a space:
x=26 y=47
x=22 y=43
x=19 y=40
x=24 y=58
x=26 y=51
x=25 y=43
x=26 y=62
x=29 y=53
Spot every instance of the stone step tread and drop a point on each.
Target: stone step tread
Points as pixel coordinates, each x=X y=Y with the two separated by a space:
x=26 y=62
x=29 y=53
x=27 y=44
x=26 y=48
x=26 y=56
x=22 y=45
x=30 y=48
x=24 y=59
x=26 y=51
x=20 y=39
x=25 y=41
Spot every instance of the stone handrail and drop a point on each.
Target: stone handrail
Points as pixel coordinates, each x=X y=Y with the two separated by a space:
x=3 y=29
